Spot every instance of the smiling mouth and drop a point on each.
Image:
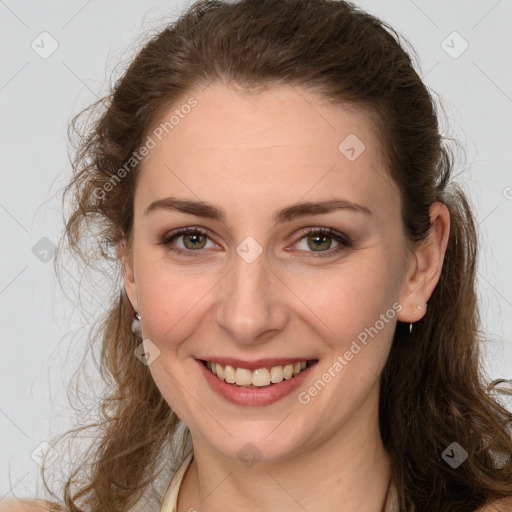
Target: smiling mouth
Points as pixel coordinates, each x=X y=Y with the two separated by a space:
x=259 y=378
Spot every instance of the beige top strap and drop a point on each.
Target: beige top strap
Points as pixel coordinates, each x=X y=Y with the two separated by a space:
x=171 y=496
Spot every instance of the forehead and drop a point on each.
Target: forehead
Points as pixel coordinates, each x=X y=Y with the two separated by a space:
x=226 y=118
x=284 y=142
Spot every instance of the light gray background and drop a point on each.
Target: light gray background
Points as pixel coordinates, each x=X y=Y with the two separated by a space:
x=38 y=97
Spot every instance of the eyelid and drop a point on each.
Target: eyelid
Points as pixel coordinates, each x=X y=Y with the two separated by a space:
x=325 y=230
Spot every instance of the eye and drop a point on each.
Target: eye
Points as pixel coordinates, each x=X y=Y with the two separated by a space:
x=319 y=240
x=192 y=240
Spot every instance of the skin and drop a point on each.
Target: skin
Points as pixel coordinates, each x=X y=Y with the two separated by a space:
x=252 y=154
x=272 y=150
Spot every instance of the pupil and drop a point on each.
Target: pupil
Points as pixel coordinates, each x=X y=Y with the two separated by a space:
x=318 y=241
x=194 y=237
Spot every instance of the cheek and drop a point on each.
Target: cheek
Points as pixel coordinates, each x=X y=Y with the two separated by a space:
x=351 y=298
x=172 y=298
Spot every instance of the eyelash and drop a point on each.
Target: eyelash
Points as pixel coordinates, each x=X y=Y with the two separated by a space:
x=344 y=241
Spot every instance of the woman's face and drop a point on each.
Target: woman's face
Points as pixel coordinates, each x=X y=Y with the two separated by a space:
x=255 y=282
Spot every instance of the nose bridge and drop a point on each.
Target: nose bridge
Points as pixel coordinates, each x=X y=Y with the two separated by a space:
x=249 y=305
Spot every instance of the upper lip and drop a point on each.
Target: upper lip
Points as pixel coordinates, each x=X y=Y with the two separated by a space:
x=258 y=363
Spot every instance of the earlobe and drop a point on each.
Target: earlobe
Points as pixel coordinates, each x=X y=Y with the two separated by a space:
x=128 y=274
x=426 y=265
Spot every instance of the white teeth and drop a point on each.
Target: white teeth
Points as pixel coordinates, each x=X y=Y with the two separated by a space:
x=276 y=374
x=288 y=371
x=258 y=378
x=243 y=376
x=229 y=374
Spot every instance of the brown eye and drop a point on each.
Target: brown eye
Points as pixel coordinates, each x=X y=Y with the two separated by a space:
x=187 y=241
x=320 y=241
x=193 y=240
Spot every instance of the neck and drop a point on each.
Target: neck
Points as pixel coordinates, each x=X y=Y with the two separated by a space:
x=348 y=471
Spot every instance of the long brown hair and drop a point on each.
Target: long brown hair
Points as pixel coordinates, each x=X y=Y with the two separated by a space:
x=432 y=390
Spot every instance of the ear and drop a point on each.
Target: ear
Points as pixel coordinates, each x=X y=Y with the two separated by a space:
x=426 y=265
x=126 y=260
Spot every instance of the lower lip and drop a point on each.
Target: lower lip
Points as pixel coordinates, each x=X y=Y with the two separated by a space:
x=240 y=395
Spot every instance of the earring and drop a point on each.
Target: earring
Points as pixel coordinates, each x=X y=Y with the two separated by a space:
x=419 y=307
x=136 y=327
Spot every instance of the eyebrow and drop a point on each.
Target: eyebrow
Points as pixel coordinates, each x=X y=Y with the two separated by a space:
x=210 y=211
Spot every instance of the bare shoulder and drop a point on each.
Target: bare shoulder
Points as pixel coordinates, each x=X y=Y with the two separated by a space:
x=503 y=505
x=27 y=506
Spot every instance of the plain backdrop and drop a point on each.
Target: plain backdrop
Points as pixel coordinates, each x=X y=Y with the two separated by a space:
x=57 y=57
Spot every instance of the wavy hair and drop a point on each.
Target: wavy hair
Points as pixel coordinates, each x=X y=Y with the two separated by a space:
x=433 y=391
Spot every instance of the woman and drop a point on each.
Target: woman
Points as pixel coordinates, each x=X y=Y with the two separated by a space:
x=301 y=269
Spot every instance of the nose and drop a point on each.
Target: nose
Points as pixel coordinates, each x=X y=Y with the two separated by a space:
x=251 y=307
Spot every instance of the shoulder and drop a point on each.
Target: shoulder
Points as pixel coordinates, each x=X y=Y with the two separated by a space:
x=27 y=506
x=503 y=505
